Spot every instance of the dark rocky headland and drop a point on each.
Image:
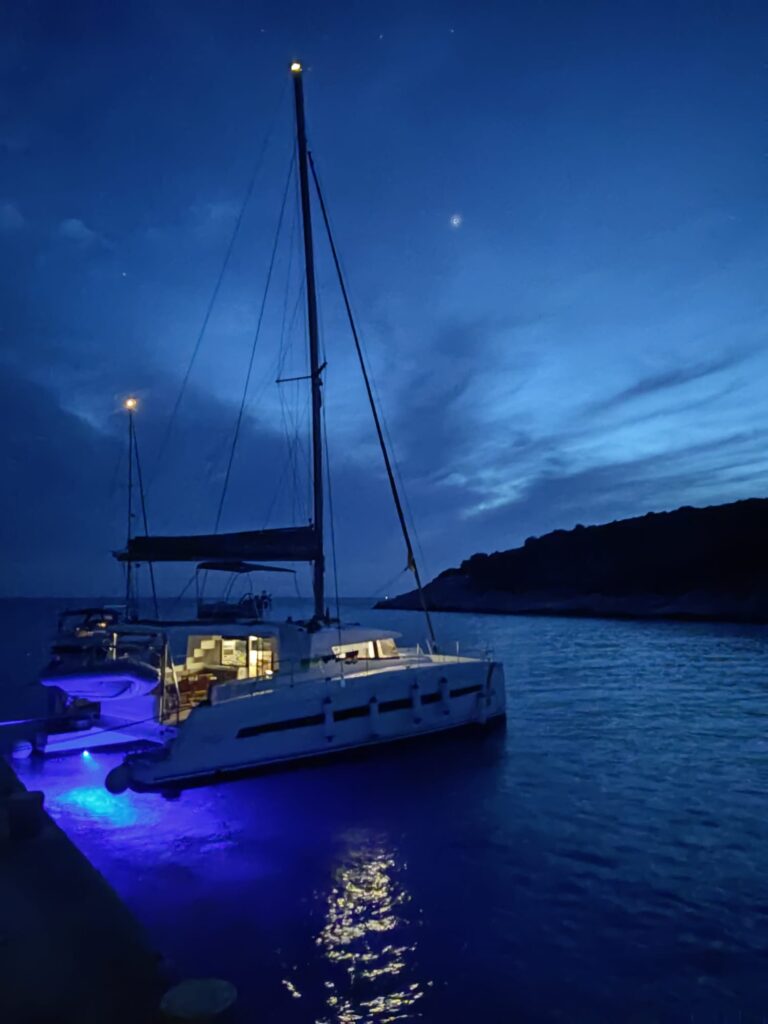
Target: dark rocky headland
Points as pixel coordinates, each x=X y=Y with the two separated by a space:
x=693 y=563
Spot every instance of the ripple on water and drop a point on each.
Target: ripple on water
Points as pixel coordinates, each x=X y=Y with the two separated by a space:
x=604 y=859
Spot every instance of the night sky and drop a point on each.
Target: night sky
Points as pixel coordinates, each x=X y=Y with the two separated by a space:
x=552 y=218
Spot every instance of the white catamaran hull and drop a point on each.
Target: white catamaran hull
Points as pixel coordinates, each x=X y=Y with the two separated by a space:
x=319 y=717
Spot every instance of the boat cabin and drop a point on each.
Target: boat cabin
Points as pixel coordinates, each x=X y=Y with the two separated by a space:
x=234 y=660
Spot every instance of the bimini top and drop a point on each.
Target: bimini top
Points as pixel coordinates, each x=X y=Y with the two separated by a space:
x=242 y=567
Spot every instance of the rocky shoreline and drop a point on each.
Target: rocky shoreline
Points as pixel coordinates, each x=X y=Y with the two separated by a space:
x=457 y=594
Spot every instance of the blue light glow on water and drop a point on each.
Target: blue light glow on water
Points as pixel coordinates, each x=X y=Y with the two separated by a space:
x=96 y=803
x=75 y=793
x=604 y=858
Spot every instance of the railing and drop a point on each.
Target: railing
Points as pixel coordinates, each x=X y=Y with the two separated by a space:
x=334 y=672
x=338 y=671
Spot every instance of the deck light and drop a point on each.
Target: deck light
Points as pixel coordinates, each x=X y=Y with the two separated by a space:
x=131 y=404
x=295 y=67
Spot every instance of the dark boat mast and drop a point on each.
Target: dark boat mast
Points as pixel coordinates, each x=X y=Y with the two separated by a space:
x=130 y=407
x=315 y=369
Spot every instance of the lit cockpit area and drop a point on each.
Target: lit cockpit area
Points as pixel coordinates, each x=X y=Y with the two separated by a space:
x=217 y=658
x=366 y=650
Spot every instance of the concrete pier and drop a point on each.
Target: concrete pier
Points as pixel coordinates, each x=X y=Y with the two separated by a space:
x=70 y=952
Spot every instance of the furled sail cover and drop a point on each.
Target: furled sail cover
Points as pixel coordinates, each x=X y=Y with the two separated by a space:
x=291 y=544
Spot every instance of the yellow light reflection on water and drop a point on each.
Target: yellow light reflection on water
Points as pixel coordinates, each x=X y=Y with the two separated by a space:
x=365 y=935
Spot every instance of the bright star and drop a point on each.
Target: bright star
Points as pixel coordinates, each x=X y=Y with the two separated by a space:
x=456 y=220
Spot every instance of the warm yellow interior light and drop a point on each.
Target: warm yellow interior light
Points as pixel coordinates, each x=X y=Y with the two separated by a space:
x=131 y=403
x=295 y=66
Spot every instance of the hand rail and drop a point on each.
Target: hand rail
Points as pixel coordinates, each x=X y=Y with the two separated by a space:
x=341 y=672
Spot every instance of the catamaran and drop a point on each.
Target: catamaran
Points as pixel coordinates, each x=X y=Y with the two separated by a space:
x=227 y=691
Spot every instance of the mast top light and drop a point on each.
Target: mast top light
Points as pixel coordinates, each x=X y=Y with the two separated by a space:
x=295 y=67
x=131 y=404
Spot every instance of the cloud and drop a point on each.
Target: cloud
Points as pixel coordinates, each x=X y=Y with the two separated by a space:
x=11 y=218
x=75 y=230
x=66 y=469
x=674 y=377
x=55 y=523
x=441 y=419
x=561 y=497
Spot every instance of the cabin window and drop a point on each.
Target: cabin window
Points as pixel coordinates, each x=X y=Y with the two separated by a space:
x=234 y=652
x=228 y=658
x=262 y=657
x=386 y=648
x=290 y=723
x=344 y=713
x=203 y=652
x=355 y=652
x=396 y=705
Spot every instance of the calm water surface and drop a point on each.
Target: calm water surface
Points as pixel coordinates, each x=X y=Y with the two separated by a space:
x=603 y=858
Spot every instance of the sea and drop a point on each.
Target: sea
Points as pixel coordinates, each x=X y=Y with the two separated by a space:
x=603 y=857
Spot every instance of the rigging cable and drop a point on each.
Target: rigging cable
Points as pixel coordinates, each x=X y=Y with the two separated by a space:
x=112 y=494
x=398 y=471
x=212 y=302
x=142 y=497
x=291 y=420
x=247 y=382
x=279 y=366
x=331 y=515
x=255 y=399
x=385 y=587
x=377 y=422
x=185 y=588
x=284 y=322
x=333 y=526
